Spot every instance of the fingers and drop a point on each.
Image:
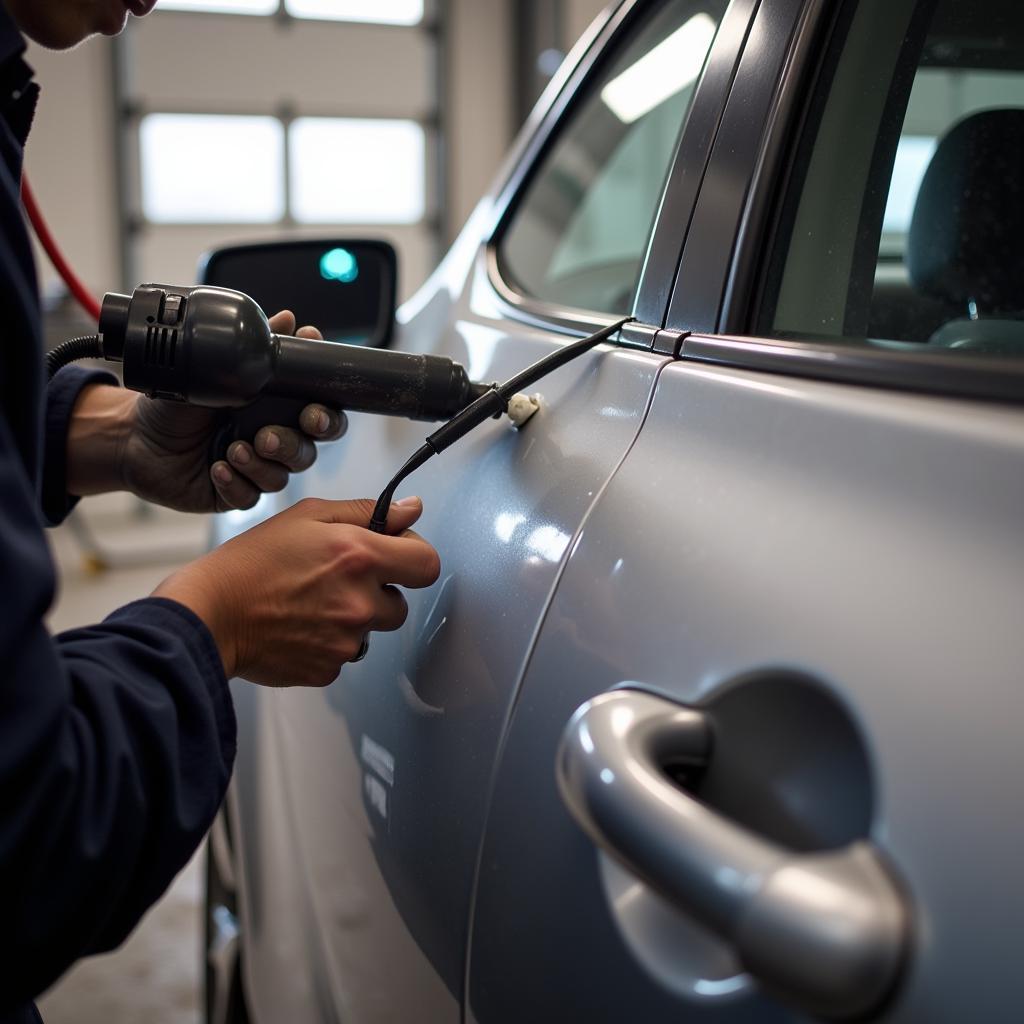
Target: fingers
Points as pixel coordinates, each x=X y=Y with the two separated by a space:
x=285 y=447
x=359 y=511
x=276 y=452
x=284 y=323
x=233 y=489
x=403 y=514
x=407 y=560
x=400 y=556
x=392 y=612
x=265 y=474
x=322 y=423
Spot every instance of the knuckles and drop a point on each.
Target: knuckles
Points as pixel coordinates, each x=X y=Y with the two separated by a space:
x=358 y=612
x=309 y=508
x=354 y=558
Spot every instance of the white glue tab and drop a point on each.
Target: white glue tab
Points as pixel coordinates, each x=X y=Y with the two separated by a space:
x=521 y=408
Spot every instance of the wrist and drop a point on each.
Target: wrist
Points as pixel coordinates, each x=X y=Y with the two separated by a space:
x=190 y=587
x=101 y=423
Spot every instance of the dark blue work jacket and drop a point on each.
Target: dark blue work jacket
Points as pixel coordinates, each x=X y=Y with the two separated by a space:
x=116 y=740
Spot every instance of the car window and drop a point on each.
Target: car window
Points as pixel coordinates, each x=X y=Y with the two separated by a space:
x=902 y=227
x=579 y=235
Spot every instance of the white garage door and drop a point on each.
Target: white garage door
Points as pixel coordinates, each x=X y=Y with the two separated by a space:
x=252 y=119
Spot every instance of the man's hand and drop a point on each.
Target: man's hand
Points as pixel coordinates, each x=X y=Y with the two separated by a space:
x=159 y=450
x=289 y=601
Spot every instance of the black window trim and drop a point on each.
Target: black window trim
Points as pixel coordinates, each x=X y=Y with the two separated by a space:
x=766 y=166
x=724 y=208
x=685 y=173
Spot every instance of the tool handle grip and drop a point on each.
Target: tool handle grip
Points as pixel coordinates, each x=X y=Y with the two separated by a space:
x=244 y=423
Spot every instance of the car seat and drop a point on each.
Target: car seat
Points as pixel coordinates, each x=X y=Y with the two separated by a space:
x=966 y=239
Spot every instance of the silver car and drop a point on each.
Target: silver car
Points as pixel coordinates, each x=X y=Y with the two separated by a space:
x=715 y=713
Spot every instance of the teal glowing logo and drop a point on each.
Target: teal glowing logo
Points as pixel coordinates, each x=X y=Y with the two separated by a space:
x=339 y=265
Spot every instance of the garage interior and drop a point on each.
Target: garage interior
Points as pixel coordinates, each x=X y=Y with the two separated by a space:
x=133 y=174
x=652 y=714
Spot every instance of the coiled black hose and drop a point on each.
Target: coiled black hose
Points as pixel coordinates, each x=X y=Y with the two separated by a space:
x=86 y=347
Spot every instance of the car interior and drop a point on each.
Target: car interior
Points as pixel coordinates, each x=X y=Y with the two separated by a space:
x=963 y=246
x=902 y=221
x=949 y=275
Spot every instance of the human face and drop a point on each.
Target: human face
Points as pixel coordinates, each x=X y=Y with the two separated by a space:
x=59 y=24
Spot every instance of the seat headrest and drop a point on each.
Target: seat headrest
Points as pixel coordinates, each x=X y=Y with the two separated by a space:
x=966 y=237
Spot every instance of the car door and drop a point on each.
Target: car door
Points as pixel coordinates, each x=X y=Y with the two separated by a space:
x=359 y=810
x=767 y=742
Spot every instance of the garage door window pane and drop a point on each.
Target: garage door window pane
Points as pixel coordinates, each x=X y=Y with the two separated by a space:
x=200 y=168
x=357 y=171
x=579 y=236
x=387 y=12
x=220 y=6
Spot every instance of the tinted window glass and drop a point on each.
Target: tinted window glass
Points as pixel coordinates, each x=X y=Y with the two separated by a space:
x=579 y=236
x=905 y=228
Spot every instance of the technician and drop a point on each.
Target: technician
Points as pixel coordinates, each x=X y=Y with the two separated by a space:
x=117 y=740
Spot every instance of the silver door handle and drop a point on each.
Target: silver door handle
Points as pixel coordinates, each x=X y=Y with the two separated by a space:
x=828 y=931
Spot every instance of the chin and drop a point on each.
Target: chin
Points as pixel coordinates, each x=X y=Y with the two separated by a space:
x=62 y=33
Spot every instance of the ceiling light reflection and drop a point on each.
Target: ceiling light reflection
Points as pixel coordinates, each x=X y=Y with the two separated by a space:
x=506 y=525
x=662 y=72
x=549 y=542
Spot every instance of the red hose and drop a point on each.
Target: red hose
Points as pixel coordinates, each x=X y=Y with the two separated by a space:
x=85 y=299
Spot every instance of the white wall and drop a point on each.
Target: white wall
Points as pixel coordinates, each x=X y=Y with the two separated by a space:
x=69 y=160
x=266 y=66
x=70 y=154
x=480 y=106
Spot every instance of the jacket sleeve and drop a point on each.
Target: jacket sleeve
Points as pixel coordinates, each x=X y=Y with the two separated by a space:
x=116 y=746
x=61 y=394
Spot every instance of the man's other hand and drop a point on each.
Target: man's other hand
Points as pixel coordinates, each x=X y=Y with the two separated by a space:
x=290 y=601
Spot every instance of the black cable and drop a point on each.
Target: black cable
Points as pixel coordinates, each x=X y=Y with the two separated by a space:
x=379 y=521
x=492 y=403
x=86 y=347
x=559 y=358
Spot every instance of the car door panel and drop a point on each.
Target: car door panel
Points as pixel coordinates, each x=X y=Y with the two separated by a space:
x=859 y=539
x=386 y=774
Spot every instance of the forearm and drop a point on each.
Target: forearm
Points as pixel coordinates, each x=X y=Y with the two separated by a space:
x=116 y=744
x=98 y=433
x=114 y=760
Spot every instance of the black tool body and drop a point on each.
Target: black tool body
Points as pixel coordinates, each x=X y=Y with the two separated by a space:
x=214 y=347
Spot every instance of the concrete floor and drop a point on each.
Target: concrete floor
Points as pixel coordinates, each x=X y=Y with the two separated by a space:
x=155 y=975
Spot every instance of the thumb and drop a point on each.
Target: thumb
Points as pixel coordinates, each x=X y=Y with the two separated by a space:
x=402 y=514
x=359 y=511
